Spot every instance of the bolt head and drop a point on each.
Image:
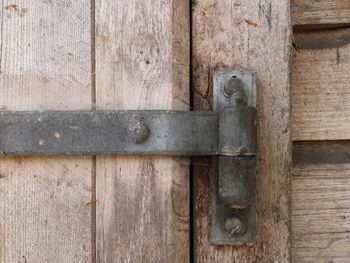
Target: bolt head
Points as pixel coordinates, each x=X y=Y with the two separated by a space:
x=139 y=131
x=233 y=91
x=235 y=226
x=231 y=86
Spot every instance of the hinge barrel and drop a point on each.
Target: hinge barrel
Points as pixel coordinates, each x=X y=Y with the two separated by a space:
x=238 y=131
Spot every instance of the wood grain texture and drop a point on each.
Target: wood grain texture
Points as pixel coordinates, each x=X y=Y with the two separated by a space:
x=320 y=94
x=45 y=64
x=44 y=210
x=320 y=12
x=248 y=34
x=142 y=62
x=320 y=185
x=321 y=212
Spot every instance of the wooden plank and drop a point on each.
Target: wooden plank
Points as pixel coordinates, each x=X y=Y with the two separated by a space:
x=320 y=12
x=249 y=34
x=321 y=247
x=320 y=204
x=321 y=260
x=317 y=186
x=321 y=221
x=45 y=214
x=45 y=64
x=320 y=95
x=142 y=62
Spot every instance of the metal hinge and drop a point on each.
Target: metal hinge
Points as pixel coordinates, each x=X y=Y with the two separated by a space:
x=228 y=133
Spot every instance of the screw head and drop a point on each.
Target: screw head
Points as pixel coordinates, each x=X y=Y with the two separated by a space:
x=139 y=131
x=235 y=226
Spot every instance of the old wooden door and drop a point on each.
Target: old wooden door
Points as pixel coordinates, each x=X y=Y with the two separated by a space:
x=161 y=54
x=321 y=115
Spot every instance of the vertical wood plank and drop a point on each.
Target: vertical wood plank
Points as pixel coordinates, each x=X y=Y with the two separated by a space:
x=142 y=62
x=45 y=65
x=249 y=34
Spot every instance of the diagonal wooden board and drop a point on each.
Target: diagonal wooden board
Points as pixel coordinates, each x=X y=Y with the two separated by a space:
x=142 y=62
x=254 y=35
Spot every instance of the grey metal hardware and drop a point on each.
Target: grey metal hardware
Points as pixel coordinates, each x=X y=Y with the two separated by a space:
x=234 y=177
x=110 y=132
x=229 y=132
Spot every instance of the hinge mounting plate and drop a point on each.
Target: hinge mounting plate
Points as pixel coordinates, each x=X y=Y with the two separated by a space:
x=234 y=178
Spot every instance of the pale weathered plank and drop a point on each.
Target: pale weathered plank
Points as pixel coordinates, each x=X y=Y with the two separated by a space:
x=142 y=62
x=321 y=247
x=249 y=34
x=44 y=211
x=320 y=94
x=321 y=206
x=321 y=186
x=45 y=64
x=315 y=221
x=320 y=12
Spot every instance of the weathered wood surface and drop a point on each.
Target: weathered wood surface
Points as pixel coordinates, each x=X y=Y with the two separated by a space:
x=45 y=64
x=142 y=62
x=248 y=34
x=320 y=94
x=320 y=12
x=320 y=185
x=320 y=204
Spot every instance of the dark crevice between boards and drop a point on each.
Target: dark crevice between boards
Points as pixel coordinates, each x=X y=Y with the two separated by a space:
x=191 y=161
x=321 y=152
x=321 y=36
